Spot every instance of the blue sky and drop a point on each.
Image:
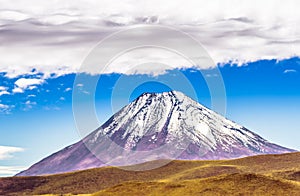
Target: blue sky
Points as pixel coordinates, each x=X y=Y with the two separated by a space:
x=264 y=96
x=199 y=47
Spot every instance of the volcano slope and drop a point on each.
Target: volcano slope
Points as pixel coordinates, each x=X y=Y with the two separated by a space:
x=158 y=126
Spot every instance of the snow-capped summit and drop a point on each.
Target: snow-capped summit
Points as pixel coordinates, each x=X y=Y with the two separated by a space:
x=166 y=125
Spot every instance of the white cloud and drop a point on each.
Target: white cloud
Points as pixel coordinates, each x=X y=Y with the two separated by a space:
x=3 y=91
x=211 y=75
x=13 y=15
x=68 y=89
x=3 y=107
x=6 y=152
x=32 y=87
x=29 y=105
x=86 y=92
x=234 y=30
x=152 y=61
x=57 y=19
x=17 y=90
x=10 y=170
x=26 y=83
x=6 y=109
x=289 y=71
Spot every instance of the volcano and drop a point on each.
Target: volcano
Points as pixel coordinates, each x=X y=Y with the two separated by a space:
x=154 y=126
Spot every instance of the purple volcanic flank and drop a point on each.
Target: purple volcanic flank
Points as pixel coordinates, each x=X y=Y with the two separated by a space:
x=155 y=126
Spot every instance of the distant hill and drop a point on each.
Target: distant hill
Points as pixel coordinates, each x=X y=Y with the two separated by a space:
x=257 y=175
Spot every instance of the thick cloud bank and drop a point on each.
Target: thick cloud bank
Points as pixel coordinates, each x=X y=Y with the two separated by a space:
x=56 y=36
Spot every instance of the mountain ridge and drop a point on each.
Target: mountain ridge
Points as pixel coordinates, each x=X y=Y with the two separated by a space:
x=154 y=126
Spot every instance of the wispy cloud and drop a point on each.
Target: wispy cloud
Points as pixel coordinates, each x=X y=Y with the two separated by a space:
x=6 y=152
x=10 y=170
x=4 y=109
x=290 y=71
x=28 y=105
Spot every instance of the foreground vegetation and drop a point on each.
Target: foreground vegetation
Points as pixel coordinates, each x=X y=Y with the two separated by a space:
x=258 y=175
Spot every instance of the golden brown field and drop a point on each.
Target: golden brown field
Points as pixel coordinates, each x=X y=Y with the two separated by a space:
x=257 y=175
